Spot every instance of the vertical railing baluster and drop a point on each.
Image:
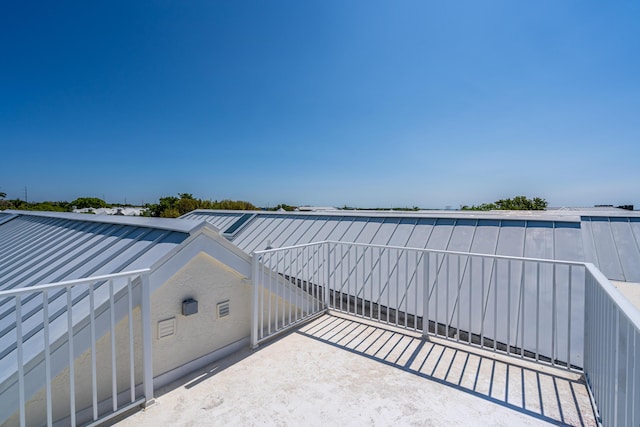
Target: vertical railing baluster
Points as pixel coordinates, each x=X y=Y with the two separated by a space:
x=342 y=281
x=415 y=296
x=364 y=283
x=509 y=307
x=495 y=304
x=20 y=360
x=47 y=355
x=425 y=295
x=437 y=300
x=94 y=379
x=446 y=298
x=270 y=293
x=537 y=311
x=316 y=281
x=307 y=275
x=553 y=320
x=470 y=332
x=569 y=320
x=112 y=319
x=522 y=309
x=327 y=287
x=371 y=299
x=349 y=279
x=388 y=284
x=255 y=300
x=300 y=298
x=380 y=288
x=280 y=292
x=397 y=271
x=355 y=282
x=483 y=305
x=147 y=342
x=260 y=288
x=132 y=376
x=456 y=307
x=72 y=380
x=289 y=284
x=405 y=294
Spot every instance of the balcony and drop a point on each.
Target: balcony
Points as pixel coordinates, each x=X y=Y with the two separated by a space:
x=344 y=331
x=340 y=369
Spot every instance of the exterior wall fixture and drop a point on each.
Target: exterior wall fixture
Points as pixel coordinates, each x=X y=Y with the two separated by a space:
x=189 y=307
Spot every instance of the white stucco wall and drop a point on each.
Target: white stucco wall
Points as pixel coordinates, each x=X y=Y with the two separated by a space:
x=210 y=282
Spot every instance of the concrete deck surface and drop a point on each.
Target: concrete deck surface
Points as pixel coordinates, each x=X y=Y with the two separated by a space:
x=345 y=371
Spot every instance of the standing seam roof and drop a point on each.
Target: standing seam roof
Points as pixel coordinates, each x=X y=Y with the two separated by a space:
x=609 y=239
x=40 y=248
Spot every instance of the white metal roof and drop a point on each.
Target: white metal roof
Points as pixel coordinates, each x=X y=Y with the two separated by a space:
x=609 y=238
x=47 y=247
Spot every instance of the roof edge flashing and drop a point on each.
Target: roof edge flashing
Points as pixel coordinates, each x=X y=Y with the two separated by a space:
x=170 y=224
x=550 y=216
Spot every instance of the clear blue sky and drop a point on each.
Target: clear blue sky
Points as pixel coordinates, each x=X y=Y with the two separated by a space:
x=365 y=103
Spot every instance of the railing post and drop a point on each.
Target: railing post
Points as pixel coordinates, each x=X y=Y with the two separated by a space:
x=327 y=289
x=147 y=356
x=256 y=297
x=425 y=296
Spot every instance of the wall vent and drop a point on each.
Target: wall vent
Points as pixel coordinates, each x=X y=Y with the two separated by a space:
x=223 y=309
x=166 y=328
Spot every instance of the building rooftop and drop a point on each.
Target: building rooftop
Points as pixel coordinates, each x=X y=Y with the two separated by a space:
x=339 y=370
x=606 y=237
x=392 y=297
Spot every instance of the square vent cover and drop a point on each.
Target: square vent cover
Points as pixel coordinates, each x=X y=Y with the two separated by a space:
x=166 y=328
x=223 y=309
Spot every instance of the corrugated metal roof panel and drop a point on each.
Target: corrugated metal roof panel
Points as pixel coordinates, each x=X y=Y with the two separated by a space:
x=38 y=248
x=485 y=239
x=171 y=224
x=626 y=246
x=220 y=220
x=568 y=241
x=610 y=240
x=606 y=252
x=539 y=240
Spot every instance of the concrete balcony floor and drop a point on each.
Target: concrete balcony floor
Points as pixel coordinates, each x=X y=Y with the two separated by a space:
x=340 y=370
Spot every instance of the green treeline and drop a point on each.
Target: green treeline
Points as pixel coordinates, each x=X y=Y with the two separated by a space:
x=173 y=207
x=167 y=207
x=518 y=203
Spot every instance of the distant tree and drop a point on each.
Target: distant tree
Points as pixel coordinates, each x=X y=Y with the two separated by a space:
x=185 y=205
x=35 y=206
x=172 y=207
x=2 y=195
x=519 y=203
x=89 y=202
x=284 y=207
x=170 y=213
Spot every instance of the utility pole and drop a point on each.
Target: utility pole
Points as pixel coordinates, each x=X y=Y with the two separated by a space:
x=26 y=198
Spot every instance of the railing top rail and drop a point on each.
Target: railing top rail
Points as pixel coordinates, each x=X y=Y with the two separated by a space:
x=283 y=248
x=440 y=251
x=68 y=283
x=626 y=307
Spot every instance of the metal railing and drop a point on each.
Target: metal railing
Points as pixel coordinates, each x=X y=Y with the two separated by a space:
x=612 y=347
x=289 y=288
x=558 y=313
x=53 y=331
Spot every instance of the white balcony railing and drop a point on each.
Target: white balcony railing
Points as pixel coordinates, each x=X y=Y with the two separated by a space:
x=563 y=314
x=69 y=363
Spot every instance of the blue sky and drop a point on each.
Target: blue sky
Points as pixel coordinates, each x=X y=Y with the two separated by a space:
x=364 y=103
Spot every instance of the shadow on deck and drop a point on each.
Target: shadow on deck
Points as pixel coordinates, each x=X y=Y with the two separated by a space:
x=549 y=394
